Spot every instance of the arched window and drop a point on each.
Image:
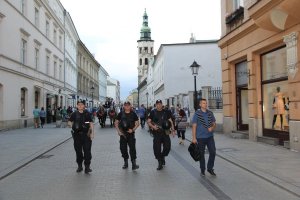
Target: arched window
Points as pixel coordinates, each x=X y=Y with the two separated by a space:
x=141 y=62
x=146 y=61
x=23 y=101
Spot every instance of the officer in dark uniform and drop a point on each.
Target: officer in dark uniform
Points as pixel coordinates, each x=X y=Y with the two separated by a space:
x=126 y=123
x=83 y=133
x=161 y=124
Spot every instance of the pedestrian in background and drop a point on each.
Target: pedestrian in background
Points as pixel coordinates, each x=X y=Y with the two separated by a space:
x=42 y=116
x=36 y=116
x=83 y=134
x=203 y=125
x=142 y=115
x=126 y=123
x=181 y=124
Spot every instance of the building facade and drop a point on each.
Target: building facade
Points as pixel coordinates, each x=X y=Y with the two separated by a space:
x=103 y=75
x=260 y=78
x=113 y=90
x=172 y=77
x=88 y=76
x=31 y=52
x=70 y=66
x=145 y=58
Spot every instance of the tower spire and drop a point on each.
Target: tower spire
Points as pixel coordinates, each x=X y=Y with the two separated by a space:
x=145 y=30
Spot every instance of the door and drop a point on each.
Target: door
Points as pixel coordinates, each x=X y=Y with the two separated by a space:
x=242 y=109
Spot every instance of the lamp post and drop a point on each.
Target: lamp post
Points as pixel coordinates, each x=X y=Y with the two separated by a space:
x=147 y=94
x=92 y=90
x=195 y=68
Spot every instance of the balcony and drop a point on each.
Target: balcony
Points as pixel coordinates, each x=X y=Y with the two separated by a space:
x=237 y=15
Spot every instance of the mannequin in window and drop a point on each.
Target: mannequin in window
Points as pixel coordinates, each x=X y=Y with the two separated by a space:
x=278 y=107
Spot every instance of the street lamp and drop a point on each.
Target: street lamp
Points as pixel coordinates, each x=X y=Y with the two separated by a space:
x=147 y=94
x=92 y=90
x=195 y=68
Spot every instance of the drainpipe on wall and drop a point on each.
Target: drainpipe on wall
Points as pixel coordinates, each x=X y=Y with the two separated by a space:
x=65 y=56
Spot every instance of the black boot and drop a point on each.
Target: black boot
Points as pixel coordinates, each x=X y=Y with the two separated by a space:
x=87 y=169
x=134 y=165
x=160 y=165
x=79 y=169
x=125 y=166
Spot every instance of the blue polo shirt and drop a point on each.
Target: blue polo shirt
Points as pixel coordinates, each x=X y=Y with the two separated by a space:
x=204 y=120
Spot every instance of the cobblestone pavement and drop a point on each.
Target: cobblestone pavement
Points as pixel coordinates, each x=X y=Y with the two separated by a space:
x=53 y=176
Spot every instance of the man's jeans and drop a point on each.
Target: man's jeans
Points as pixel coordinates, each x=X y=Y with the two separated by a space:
x=210 y=143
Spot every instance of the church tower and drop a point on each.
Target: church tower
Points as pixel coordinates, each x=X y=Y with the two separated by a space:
x=145 y=50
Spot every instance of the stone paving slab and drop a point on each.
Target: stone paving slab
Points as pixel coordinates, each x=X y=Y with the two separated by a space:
x=20 y=146
x=275 y=164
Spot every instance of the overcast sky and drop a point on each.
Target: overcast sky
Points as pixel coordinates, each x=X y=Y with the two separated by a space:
x=110 y=29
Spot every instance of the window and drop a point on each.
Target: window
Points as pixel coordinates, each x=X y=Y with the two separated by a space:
x=146 y=61
x=237 y=4
x=23 y=101
x=275 y=105
x=36 y=17
x=54 y=36
x=36 y=57
x=47 y=65
x=60 y=42
x=23 y=51
x=151 y=50
x=146 y=49
x=36 y=98
x=55 y=69
x=140 y=50
x=47 y=28
x=60 y=71
x=23 y=6
x=141 y=62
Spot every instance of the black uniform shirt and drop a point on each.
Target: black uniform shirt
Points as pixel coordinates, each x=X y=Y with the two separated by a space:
x=132 y=117
x=159 y=116
x=83 y=122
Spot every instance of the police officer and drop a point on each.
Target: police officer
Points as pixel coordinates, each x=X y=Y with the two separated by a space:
x=161 y=124
x=126 y=123
x=83 y=133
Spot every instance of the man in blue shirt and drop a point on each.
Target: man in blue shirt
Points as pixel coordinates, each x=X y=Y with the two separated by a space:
x=141 y=113
x=203 y=126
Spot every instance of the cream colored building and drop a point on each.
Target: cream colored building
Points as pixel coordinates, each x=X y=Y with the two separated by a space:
x=88 y=76
x=31 y=59
x=260 y=69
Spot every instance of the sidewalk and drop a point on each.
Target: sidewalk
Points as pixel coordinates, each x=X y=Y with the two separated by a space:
x=275 y=164
x=20 y=146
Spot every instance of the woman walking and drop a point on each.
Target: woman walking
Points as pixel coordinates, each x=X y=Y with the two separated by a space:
x=181 y=124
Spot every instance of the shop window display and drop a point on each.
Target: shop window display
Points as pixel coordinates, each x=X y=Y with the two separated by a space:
x=276 y=106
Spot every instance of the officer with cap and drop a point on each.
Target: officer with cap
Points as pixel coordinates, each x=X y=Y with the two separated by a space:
x=83 y=133
x=160 y=121
x=126 y=123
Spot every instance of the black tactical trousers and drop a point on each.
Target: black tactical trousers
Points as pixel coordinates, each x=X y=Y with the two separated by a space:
x=129 y=140
x=158 y=139
x=82 y=146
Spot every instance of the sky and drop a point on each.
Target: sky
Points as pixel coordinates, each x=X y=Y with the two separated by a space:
x=110 y=29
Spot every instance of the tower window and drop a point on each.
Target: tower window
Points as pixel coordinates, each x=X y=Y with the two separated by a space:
x=146 y=49
x=140 y=49
x=141 y=62
x=146 y=61
x=151 y=50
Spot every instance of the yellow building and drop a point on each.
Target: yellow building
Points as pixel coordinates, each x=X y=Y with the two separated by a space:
x=260 y=61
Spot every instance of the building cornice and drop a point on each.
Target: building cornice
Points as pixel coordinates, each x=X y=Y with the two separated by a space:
x=243 y=30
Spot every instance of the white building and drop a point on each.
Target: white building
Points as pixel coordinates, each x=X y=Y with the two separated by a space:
x=31 y=59
x=113 y=90
x=102 y=84
x=173 y=81
x=71 y=38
